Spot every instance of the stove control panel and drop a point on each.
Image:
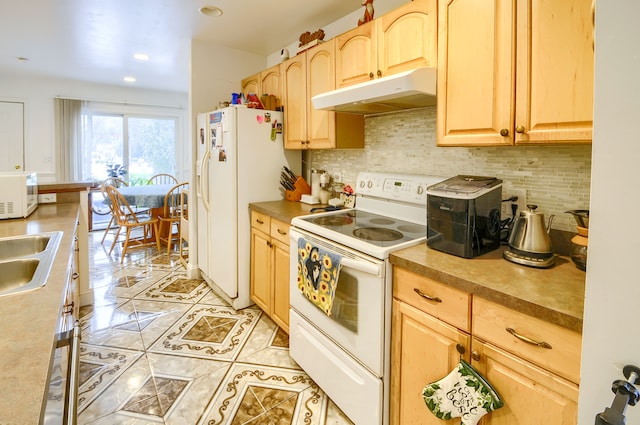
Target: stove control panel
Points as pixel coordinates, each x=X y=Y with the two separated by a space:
x=409 y=188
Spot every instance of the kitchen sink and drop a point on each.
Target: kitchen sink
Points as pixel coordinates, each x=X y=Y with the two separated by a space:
x=21 y=246
x=18 y=273
x=26 y=260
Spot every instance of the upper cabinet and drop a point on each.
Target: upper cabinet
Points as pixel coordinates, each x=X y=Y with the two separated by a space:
x=305 y=75
x=251 y=84
x=267 y=82
x=515 y=72
x=400 y=40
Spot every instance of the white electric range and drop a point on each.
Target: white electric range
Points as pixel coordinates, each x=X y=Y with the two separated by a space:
x=348 y=353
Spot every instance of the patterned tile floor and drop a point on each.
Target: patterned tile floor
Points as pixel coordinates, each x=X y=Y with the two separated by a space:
x=158 y=348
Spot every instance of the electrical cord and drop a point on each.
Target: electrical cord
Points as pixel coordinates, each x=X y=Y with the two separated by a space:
x=507 y=224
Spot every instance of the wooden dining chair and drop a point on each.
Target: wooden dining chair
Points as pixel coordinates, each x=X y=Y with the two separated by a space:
x=126 y=218
x=162 y=179
x=116 y=182
x=174 y=205
x=183 y=245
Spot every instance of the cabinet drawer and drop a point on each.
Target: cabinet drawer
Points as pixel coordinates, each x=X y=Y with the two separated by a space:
x=260 y=221
x=432 y=297
x=280 y=231
x=550 y=346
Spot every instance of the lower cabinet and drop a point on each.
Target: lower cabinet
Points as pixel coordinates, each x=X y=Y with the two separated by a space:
x=270 y=267
x=61 y=405
x=423 y=350
x=533 y=366
x=531 y=395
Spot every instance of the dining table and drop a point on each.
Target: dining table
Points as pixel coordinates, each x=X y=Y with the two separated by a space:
x=145 y=196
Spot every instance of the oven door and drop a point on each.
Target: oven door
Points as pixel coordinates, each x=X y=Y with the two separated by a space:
x=345 y=353
x=357 y=322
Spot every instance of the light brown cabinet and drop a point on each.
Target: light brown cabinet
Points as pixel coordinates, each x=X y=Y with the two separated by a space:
x=270 y=267
x=305 y=75
x=400 y=40
x=431 y=321
x=71 y=308
x=266 y=82
x=514 y=72
x=251 y=84
x=531 y=395
x=423 y=350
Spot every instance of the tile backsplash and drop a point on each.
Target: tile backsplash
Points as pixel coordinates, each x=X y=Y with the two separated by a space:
x=556 y=178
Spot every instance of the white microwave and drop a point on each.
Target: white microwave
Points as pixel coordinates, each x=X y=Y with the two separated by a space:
x=18 y=194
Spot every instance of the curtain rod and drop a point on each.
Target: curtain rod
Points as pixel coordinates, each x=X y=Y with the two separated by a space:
x=120 y=102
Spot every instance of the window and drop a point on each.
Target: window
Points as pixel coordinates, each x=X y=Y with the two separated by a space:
x=131 y=145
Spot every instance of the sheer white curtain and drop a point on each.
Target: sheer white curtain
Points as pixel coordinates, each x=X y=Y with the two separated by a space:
x=68 y=116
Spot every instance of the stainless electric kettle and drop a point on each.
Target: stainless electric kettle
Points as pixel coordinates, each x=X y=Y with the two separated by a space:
x=530 y=234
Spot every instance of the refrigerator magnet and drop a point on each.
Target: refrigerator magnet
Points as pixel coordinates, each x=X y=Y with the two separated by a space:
x=222 y=155
x=267 y=117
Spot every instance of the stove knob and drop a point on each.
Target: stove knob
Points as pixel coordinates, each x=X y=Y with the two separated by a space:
x=370 y=184
x=361 y=183
x=420 y=190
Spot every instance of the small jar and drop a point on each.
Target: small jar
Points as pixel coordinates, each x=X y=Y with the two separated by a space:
x=579 y=247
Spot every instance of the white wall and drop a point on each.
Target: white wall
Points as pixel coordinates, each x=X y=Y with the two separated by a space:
x=610 y=337
x=344 y=24
x=38 y=94
x=216 y=72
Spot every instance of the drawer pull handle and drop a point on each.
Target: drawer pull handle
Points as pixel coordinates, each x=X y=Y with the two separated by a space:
x=260 y=221
x=282 y=233
x=429 y=297
x=528 y=340
x=475 y=356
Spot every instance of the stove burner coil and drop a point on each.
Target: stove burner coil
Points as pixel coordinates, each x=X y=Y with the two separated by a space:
x=377 y=234
x=409 y=228
x=333 y=220
x=382 y=220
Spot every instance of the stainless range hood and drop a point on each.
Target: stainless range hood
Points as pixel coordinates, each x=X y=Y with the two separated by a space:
x=406 y=90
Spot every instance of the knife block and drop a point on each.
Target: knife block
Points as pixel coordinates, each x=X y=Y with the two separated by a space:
x=302 y=188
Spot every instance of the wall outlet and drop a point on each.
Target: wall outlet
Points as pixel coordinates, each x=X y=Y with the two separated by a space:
x=521 y=202
x=47 y=198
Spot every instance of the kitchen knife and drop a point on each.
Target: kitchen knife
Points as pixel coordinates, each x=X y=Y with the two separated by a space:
x=284 y=176
x=293 y=176
x=286 y=184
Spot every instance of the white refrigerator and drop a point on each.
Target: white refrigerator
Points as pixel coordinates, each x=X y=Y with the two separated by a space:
x=239 y=159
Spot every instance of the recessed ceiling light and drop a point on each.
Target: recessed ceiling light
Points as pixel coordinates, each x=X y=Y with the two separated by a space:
x=22 y=59
x=129 y=79
x=141 y=56
x=211 y=11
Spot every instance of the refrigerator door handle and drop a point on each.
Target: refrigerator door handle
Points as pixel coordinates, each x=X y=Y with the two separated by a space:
x=204 y=179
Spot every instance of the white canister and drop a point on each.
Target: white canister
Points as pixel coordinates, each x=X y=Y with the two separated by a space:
x=324 y=196
x=315 y=182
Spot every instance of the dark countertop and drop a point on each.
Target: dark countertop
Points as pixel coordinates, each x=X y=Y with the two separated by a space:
x=555 y=295
x=29 y=319
x=283 y=210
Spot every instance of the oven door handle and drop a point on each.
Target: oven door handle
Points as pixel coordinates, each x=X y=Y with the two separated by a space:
x=71 y=338
x=363 y=266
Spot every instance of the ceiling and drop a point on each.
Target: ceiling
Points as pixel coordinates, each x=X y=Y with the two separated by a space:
x=95 y=40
